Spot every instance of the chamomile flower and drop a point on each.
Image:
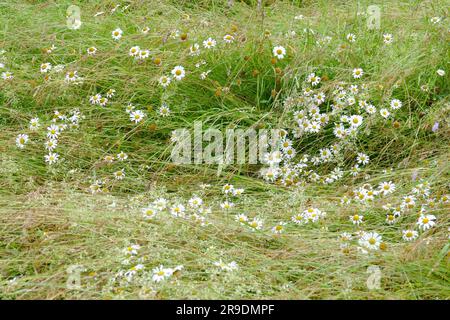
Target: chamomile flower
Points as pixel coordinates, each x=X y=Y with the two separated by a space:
x=117 y=34
x=195 y=202
x=228 y=38
x=91 y=51
x=160 y=273
x=137 y=116
x=440 y=72
x=34 y=124
x=46 y=67
x=110 y=93
x=387 y=187
x=241 y=218
x=362 y=158
x=122 y=156
x=227 y=205
x=388 y=38
x=313 y=79
x=385 y=113
x=7 y=75
x=95 y=99
x=194 y=50
x=177 y=210
x=71 y=76
x=120 y=174
x=131 y=250
x=209 y=43
x=164 y=110
x=21 y=140
x=356 y=219
x=53 y=131
x=279 y=52
x=355 y=120
x=279 y=228
x=351 y=37
x=357 y=73
x=51 y=158
x=178 y=72
x=143 y=54
x=149 y=212
x=426 y=221
x=370 y=240
x=228 y=188
x=164 y=81
x=160 y=203
x=134 y=51
x=51 y=144
x=255 y=224
x=396 y=104
x=145 y=30
x=409 y=235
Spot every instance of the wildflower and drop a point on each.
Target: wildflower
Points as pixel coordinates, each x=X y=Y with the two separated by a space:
x=177 y=210
x=34 y=124
x=388 y=38
x=387 y=187
x=228 y=188
x=51 y=158
x=255 y=224
x=194 y=50
x=110 y=93
x=209 y=43
x=121 y=156
x=426 y=222
x=134 y=51
x=149 y=212
x=164 y=81
x=21 y=140
x=356 y=219
x=46 y=67
x=362 y=158
x=279 y=228
x=71 y=76
x=279 y=52
x=91 y=51
x=117 y=34
x=370 y=240
x=396 y=104
x=357 y=73
x=119 y=175
x=160 y=203
x=409 y=235
x=178 y=72
x=195 y=202
x=132 y=249
x=53 y=131
x=241 y=218
x=51 y=144
x=313 y=79
x=164 y=110
x=228 y=38
x=226 y=205
x=160 y=273
x=384 y=113
x=440 y=72
x=356 y=120
x=7 y=75
x=351 y=37
x=143 y=54
x=137 y=116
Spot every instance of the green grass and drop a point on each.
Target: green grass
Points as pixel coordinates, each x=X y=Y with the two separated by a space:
x=49 y=220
